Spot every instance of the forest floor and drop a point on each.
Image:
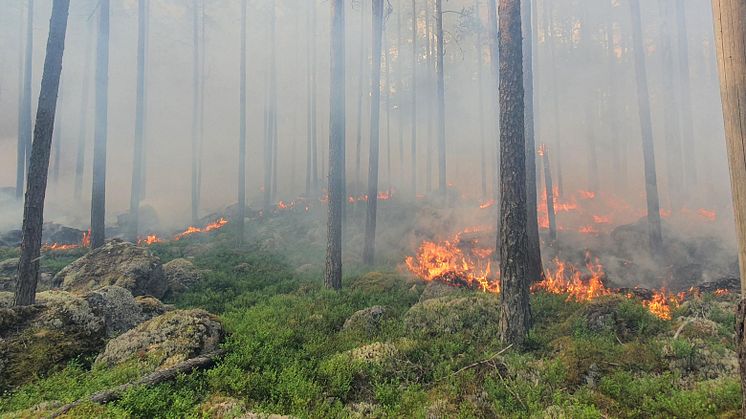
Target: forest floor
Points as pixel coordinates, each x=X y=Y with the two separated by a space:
x=429 y=352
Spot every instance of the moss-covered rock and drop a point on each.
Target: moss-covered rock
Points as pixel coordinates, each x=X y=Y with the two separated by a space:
x=166 y=340
x=116 y=263
x=181 y=275
x=6 y=299
x=151 y=307
x=117 y=307
x=437 y=289
x=376 y=353
x=477 y=315
x=376 y=282
x=365 y=321
x=36 y=339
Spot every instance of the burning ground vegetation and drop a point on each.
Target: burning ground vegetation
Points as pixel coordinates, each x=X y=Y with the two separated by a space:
x=615 y=333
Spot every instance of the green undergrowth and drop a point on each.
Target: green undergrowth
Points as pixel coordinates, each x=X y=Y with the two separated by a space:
x=287 y=354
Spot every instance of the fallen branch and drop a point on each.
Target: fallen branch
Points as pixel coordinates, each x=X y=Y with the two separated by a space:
x=113 y=394
x=476 y=364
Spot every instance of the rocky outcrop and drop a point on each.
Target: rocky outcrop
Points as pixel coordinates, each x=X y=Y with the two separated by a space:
x=181 y=275
x=478 y=314
x=35 y=339
x=117 y=307
x=116 y=263
x=166 y=340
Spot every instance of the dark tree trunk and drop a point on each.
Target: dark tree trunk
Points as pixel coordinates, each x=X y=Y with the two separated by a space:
x=495 y=70
x=134 y=216
x=361 y=89
x=535 y=271
x=674 y=164
x=687 y=113
x=480 y=105
x=196 y=80
x=25 y=126
x=730 y=31
x=83 y=118
x=333 y=272
x=242 y=130
x=549 y=194
x=98 y=191
x=441 y=97
x=57 y=139
x=648 y=150
x=33 y=209
x=375 y=114
x=414 y=99
x=515 y=312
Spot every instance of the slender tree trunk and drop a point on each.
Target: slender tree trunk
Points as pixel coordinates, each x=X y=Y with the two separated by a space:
x=441 y=97
x=309 y=105
x=400 y=88
x=25 y=123
x=480 y=105
x=535 y=271
x=648 y=150
x=495 y=70
x=20 y=146
x=730 y=32
x=314 y=109
x=333 y=273
x=33 y=209
x=687 y=114
x=57 y=139
x=555 y=101
x=375 y=114
x=387 y=101
x=549 y=194
x=242 y=130
x=134 y=216
x=414 y=99
x=195 y=111
x=98 y=191
x=515 y=312
x=429 y=164
x=83 y=118
x=674 y=164
x=274 y=138
x=361 y=89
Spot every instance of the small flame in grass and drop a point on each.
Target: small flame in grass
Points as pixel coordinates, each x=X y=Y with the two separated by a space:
x=85 y=241
x=210 y=227
x=721 y=293
x=487 y=204
x=149 y=239
x=663 y=302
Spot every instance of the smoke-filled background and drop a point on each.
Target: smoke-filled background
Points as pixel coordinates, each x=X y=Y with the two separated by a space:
x=586 y=104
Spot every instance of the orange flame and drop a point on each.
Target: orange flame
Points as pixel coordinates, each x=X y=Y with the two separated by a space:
x=210 y=227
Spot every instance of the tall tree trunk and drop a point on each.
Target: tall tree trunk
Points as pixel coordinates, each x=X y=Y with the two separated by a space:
x=361 y=89
x=687 y=114
x=242 y=130
x=441 y=97
x=480 y=105
x=274 y=138
x=495 y=70
x=400 y=88
x=83 y=118
x=429 y=164
x=314 y=109
x=387 y=101
x=730 y=32
x=25 y=125
x=674 y=164
x=333 y=272
x=375 y=114
x=33 y=209
x=414 y=99
x=309 y=104
x=648 y=150
x=515 y=311
x=195 y=111
x=98 y=191
x=57 y=139
x=534 y=270
x=135 y=193
x=555 y=100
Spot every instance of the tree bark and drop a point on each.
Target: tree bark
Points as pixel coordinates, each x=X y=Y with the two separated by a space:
x=495 y=70
x=83 y=117
x=730 y=36
x=414 y=99
x=333 y=272
x=646 y=127
x=361 y=89
x=98 y=191
x=137 y=163
x=57 y=139
x=25 y=125
x=515 y=312
x=375 y=115
x=242 y=131
x=33 y=209
x=535 y=271
x=441 y=97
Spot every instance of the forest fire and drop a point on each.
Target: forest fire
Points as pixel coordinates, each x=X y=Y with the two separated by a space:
x=463 y=263
x=210 y=227
x=149 y=239
x=85 y=241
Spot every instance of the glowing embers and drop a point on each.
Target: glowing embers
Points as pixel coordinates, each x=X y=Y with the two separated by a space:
x=85 y=241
